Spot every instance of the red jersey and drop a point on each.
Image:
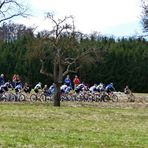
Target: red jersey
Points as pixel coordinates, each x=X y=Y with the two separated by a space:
x=76 y=81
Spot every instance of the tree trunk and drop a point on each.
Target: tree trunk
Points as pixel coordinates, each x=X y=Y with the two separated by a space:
x=58 y=76
x=57 y=95
x=57 y=86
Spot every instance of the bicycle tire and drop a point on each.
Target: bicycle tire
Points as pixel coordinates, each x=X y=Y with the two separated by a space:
x=12 y=97
x=22 y=97
x=131 y=98
x=114 y=98
x=43 y=97
x=33 y=97
x=105 y=98
x=3 y=98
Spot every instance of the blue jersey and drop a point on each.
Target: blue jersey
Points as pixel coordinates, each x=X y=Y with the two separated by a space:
x=18 y=86
x=109 y=86
x=67 y=81
x=51 y=89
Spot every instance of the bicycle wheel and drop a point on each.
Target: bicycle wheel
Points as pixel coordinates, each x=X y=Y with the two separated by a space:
x=63 y=98
x=105 y=98
x=131 y=98
x=97 y=97
x=114 y=98
x=3 y=98
x=33 y=97
x=22 y=97
x=12 y=97
x=43 y=97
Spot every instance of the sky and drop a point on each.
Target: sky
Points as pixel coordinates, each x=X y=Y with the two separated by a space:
x=107 y=17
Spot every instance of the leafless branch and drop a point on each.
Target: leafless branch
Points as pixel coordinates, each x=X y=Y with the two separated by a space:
x=43 y=71
x=60 y=25
x=10 y=9
x=71 y=61
x=1 y=4
x=7 y=18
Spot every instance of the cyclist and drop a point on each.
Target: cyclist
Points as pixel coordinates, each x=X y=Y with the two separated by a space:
x=45 y=88
x=18 y=88
x=68 y=89
x=2 y=89
x=109 y=88
x=63 y=88
x=127 y=90
x=6 y=86
x=26 y=88
x=51 y=89
x=100 y=87
x=79 y=87
x=38 y=87
x=93 y=89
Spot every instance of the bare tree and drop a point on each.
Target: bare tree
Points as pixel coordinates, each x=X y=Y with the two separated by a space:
x=66 y=56
x=145 y=15
x=10 y=31
x=12 y=8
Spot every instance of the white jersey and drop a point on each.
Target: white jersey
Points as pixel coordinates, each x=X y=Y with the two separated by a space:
x=63 y=87
x=92 y=88
x=100 y=87
x=80 y=86
x=38 y=86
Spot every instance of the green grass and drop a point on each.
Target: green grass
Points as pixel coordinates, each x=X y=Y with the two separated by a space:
x=71 y=125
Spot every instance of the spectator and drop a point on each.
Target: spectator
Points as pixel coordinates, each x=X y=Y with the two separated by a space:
x=18 y=80
x=67 y=81
x=14 y=80
x=2 y=80
x=14 y=77
x=76 y=81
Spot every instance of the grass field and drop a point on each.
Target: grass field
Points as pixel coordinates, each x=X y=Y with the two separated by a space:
x=37 y=125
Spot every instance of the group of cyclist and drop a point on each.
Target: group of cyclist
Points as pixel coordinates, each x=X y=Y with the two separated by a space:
x=66 y=87
x=78 y=86
x=81 y=86
x=15 y=84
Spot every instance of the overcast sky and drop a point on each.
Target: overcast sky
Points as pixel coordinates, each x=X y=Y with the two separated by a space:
x=109 y=17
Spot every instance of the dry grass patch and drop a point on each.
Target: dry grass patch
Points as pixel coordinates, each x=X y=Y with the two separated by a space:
x=74 y=125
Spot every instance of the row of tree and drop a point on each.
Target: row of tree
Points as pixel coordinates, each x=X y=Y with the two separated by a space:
x=94 y=58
